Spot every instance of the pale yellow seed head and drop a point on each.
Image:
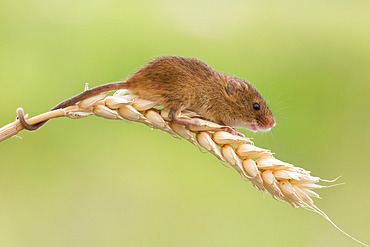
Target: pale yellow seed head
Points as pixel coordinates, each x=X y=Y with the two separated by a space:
x=307 y=185
x=282 y=180
x=223 y=137
x=310 y=179
x=271 y=185
x=251 y=170
x=130 y=113
x=183 y=132
x=130 y=97
x=231 y=158
x=121 y=92
x=205 y=140
x=89 y=102
x=114 y=102
x=164 y=114
x=289 y=194
x=309 y=192
x=156 y=119
x=157 y=122
x=142 y=104
x=302 y=195
x=271 y=163
x=284 y=174
x=205 y=126
x=105 y=112
x=265 y=163
x=251 y=151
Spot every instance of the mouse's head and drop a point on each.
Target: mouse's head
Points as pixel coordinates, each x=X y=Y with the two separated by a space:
x=250 y=110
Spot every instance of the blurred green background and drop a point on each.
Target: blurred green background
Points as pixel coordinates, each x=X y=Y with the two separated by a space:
x=95 y=182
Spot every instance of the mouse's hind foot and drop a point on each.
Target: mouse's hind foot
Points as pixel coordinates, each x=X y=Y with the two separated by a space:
x=173 y=115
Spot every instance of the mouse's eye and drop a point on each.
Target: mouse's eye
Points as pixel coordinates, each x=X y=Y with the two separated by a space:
x=256 y=106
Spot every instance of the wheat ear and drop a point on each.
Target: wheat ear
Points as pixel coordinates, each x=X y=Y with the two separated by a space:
x=282 y=180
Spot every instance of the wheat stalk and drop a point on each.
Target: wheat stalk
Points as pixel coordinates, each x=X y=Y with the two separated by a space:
x=282 y=180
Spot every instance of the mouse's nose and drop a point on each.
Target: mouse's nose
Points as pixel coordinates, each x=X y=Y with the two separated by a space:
x=265 y=123
x=273 y=123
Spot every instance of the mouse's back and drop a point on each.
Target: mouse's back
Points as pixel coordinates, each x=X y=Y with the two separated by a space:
x=172 y=81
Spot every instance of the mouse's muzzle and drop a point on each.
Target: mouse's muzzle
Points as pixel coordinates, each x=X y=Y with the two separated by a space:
x=265 y=123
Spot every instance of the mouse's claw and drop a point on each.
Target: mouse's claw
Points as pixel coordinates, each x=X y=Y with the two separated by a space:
x=240 y=134
x=232 y=131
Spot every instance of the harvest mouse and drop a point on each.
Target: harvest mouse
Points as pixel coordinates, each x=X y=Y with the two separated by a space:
x=179 y=84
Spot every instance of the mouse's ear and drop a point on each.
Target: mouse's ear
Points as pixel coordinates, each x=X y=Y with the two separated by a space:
x=233 y=86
